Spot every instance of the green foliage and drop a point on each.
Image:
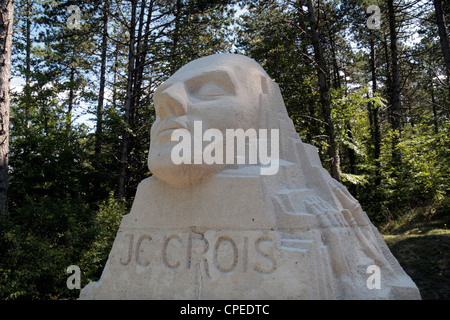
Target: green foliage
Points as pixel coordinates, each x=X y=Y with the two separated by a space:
x=105 y=224
x=62 y=193
x=38 y=245
x=424 y=174
x=44 y=238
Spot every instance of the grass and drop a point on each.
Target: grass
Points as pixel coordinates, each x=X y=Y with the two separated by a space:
x=420 y=240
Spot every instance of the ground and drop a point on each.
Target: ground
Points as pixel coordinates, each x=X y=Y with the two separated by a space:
x=420 y=240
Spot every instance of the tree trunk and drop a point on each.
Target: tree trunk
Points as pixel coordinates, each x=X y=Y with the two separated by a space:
x=123 y=177
x=374 y=114
x=116 y=70
x=396 y=110
x=101 y=93
x=333 y=151
x=351 y=157
x=176 y=35
x=331 y=36
x=141 y=54
x=27 y=89
x=6 y=21
x=442 y=33
x=433 y=104
x=137 y=63
x=71 y=98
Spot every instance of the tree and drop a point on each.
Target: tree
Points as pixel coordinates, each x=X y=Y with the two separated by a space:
x=442 y=33
x=396 y=106
x=6 y=22
x=324 y=87
x=129 y=99
x=274 y=34
x=160 y=38
x=102 y=84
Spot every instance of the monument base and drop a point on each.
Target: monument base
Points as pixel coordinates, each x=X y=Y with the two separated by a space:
x=289 y=244
x=240 y=234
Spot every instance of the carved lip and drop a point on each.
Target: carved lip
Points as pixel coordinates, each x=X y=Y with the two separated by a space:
x=169 y=127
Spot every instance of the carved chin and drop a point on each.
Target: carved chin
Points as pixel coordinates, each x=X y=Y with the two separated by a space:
x=184 y=174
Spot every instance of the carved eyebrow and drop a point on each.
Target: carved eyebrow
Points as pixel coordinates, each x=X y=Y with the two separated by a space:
x=220 y=77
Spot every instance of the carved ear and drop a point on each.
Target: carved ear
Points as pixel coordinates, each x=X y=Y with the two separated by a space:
x=270 y=104
x=265 y=84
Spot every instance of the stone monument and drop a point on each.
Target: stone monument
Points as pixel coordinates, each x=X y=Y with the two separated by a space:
x=217 y=222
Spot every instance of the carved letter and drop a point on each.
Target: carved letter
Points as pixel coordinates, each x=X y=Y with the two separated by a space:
x=205 y=249
x=130 y=249
x=139 y=250
x=164 y=252
x=265 y=255
x=235 y=254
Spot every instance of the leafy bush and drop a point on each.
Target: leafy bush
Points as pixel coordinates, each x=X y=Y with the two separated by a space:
x=42 y=239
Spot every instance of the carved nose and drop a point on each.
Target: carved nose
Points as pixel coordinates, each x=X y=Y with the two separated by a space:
x=172 y=102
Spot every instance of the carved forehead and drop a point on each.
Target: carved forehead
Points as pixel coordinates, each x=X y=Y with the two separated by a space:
x=235 y=62
x=239 y=69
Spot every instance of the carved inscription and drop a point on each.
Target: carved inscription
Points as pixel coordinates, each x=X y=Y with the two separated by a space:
x=222 y=253
x=219 y=266
x=265 y=255
x=164 y=252
x=130 y=249
x=138 y=251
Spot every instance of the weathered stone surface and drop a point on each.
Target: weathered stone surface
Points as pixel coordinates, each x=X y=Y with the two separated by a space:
x=230 y=232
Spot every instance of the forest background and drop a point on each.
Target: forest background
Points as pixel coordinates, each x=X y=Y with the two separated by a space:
x=369 y=88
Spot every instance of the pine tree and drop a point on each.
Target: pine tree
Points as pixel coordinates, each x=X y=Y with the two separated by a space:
x=324 y=88
x=443 y=37
x=6 y=28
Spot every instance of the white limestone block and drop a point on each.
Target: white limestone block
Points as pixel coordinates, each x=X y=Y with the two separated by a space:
x=228 y=231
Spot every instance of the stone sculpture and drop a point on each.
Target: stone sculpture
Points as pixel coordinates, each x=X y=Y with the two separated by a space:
x=226 y=230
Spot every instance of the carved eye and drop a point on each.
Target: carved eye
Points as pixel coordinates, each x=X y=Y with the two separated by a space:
x=211 y=90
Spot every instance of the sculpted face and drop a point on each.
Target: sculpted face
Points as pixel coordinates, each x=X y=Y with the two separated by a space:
x=222 y=91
